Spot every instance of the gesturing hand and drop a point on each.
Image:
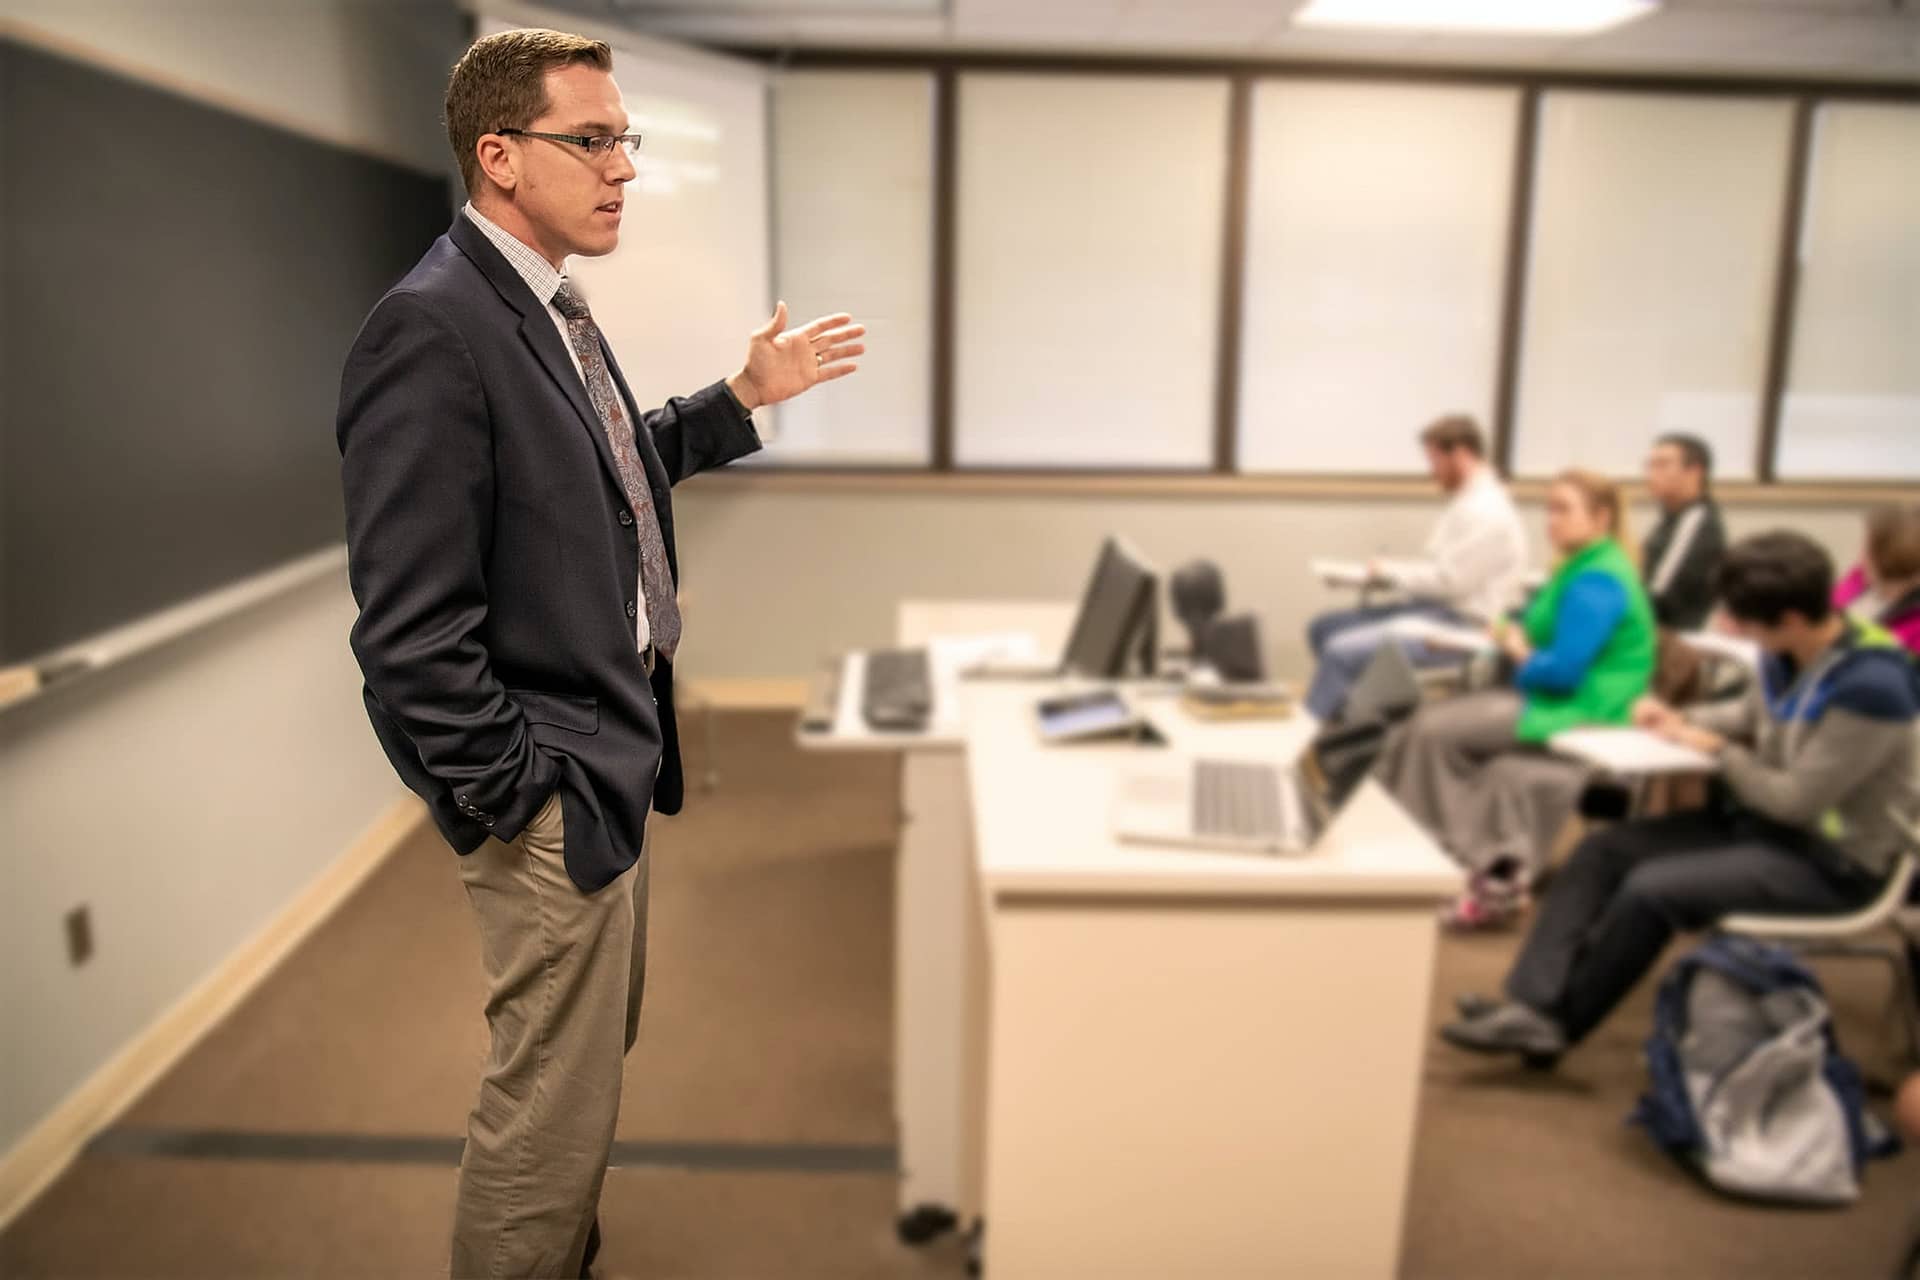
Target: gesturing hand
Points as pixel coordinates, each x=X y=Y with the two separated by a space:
x=781 y=362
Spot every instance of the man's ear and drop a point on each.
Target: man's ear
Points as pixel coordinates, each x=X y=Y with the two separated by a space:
x=497 y=161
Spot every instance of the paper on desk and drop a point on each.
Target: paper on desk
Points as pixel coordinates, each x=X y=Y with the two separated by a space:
x=1441 y=635
x=1340 y=573
x=1626 y=750
x=1399 y=569
x=948 y=656
x=1359 y=573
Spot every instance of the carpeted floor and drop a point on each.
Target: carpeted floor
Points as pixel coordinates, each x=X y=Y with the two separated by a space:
x=314 y=1132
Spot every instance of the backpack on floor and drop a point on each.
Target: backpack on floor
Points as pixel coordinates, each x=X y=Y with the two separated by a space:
x=1748 y=1086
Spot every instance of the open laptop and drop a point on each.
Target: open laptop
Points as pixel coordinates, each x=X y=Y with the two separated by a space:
x=1238 y=806
x=1254 y=806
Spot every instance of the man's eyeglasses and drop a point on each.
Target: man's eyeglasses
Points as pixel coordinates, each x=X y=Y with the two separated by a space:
x=599 y=146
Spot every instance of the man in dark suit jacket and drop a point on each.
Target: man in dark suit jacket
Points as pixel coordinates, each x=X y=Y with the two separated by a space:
x=510 y=539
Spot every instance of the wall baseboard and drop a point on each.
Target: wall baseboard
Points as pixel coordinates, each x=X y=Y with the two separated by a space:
x=47 y=1149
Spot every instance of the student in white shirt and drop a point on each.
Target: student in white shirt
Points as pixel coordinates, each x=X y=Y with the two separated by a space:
x=1471 y=572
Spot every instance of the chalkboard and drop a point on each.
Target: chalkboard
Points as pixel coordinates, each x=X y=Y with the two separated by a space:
x=181 y=287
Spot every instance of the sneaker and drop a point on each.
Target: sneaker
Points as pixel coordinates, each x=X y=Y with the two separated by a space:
x=1511 y=1027
x=1475 y=1005
x=1489 y=903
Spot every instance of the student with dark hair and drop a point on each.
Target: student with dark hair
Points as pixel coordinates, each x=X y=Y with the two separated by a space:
x=1889 y=572
x=1815 y=762
x=1681 y=554
x=1470 y=571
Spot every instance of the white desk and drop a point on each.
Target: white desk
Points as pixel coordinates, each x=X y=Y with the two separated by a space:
x=933 y=963
x=1195 y=1064
x=1148 y=1062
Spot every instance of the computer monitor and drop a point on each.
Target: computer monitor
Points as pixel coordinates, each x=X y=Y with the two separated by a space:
x=1117 y=631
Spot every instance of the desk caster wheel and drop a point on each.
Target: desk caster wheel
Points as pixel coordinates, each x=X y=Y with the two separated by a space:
x=926 y=1223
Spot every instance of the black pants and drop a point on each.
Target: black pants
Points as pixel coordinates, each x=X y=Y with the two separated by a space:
x=1627 y=889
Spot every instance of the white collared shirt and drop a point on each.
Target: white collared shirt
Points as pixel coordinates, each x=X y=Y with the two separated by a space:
x=540 y=275
x=1476 y=557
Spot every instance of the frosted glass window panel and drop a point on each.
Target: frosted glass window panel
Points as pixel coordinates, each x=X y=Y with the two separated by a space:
x=853 y=228
x=1852 y=405
x=1656 y=238
x=1087 y=270
x=1376 y=248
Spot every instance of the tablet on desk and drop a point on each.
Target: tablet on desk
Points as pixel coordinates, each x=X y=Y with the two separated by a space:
x=1089 y=717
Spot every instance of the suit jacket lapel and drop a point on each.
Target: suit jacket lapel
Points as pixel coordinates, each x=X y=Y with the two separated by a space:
x=538 y=332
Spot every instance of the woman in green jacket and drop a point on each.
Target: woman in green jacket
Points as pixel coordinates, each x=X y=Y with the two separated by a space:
x=1474 y=770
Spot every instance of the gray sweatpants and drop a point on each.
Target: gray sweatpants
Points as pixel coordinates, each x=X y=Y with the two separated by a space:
x=1458 y=770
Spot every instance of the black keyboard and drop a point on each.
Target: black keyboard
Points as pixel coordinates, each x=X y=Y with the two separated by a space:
x=1239 y=801
x=898 y=689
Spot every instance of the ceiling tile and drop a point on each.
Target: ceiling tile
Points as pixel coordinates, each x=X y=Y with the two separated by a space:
x=1197 y=22
x=1004 y=21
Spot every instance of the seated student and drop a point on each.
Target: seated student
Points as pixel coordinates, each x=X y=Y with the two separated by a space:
x=1474 y=561
x=1471 y=769
x=1890 y=571
x=1685 y=547
x=1815 y=761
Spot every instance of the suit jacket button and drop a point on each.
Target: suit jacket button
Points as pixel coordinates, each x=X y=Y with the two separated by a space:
x=633 y=610
x=626 y=516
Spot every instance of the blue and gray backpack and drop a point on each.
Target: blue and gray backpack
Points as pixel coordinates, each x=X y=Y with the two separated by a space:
x=1748 y=1086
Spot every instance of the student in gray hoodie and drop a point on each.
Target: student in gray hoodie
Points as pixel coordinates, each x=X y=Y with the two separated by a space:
x=1815 y=761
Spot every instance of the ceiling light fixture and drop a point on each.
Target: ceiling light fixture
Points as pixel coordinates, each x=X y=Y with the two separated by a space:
x=1486 y=17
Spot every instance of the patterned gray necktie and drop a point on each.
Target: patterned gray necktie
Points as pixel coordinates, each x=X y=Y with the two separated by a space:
x=656 y=580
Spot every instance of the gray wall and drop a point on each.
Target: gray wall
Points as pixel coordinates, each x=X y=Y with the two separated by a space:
x=188 y=795
x=185 y=797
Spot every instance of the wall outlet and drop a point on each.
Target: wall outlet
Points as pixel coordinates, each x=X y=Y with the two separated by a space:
x=79 y=936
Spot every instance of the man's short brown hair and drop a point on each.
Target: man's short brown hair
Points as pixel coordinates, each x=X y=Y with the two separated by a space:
x=1893 y=541
x=1455 y=431
x=500 y=83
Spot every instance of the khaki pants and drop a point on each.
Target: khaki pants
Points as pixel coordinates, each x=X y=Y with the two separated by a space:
x=564 y=971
